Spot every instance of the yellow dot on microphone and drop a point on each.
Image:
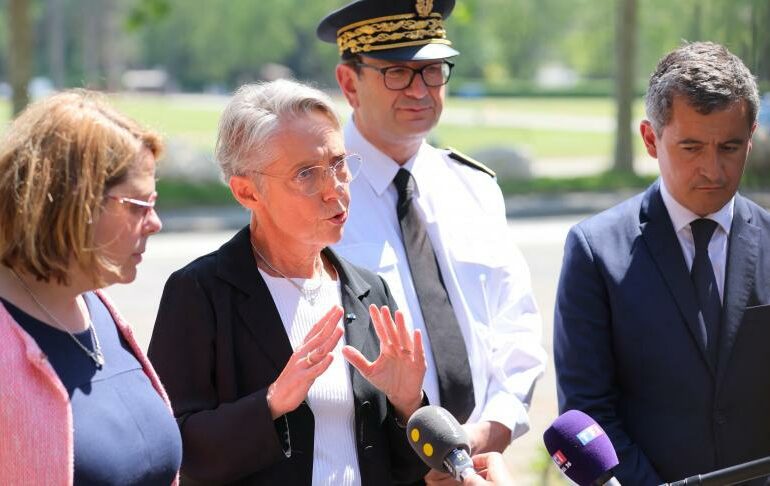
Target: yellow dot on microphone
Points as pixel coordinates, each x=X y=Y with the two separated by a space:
x=415 y=435
x=427 y=449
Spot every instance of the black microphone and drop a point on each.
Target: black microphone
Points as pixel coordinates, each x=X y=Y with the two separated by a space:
x=437 y=437
x=581 y=449
x=758 y=468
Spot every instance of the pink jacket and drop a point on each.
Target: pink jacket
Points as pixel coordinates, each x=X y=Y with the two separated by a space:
x=36 y=445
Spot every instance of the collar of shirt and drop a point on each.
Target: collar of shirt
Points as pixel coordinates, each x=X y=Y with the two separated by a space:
x=681 y=217
x=377 y=168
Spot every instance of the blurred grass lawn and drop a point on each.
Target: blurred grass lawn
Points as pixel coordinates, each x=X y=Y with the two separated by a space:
x=191 y=120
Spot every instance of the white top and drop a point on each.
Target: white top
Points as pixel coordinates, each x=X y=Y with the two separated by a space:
x=335 y=461
x=485 y=275
x=681 y=217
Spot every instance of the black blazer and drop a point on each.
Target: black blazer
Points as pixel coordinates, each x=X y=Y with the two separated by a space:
x=218 y=344
x=630 y=352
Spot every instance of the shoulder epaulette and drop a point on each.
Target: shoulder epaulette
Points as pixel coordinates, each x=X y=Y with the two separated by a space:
x=470 y=161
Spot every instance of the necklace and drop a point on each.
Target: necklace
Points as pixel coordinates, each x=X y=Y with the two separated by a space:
x=311 y=295
x=96 y=355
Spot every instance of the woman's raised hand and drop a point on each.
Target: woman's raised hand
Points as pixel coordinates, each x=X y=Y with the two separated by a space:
x=399 y=369
x=306 y=364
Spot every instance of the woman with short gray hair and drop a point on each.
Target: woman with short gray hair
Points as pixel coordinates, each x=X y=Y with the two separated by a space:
x=248 y=338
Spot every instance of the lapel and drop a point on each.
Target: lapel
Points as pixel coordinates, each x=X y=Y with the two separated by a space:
x=358 y=331
x=660 y=238
x=261 y=316
x=237 y=266
x=742 y=254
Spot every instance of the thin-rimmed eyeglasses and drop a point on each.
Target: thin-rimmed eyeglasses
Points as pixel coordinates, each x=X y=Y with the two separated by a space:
x=310 y=180
x=137 y=206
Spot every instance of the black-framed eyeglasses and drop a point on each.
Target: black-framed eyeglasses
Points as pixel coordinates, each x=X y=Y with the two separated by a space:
x=137 y=206
x=309 y=181
x=400 y=77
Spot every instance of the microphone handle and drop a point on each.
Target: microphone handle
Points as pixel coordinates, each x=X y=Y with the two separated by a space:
x=458 y=464
x=730 y=475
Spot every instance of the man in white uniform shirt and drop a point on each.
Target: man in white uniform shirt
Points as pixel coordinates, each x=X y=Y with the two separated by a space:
x=484 y=352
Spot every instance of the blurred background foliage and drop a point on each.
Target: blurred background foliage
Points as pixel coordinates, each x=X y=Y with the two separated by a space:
x=552 y=89
x=505 y=44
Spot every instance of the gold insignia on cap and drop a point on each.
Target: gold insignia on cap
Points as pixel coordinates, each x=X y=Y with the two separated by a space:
x=424 y=7
x=391 y=32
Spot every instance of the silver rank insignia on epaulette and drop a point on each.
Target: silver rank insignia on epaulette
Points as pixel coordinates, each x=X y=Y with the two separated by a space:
x=470 y=161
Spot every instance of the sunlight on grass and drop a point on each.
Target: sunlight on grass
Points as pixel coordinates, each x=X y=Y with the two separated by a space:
x=539 y=143
x=193 y=119
x=594 y=107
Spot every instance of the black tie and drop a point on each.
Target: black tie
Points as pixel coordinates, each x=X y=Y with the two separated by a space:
x=449 y=352
x=702 y=274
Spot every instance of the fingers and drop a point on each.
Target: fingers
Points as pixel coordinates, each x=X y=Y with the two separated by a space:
x=480 y=461
x=404 y=338
x=394 y=336
x=390 y=327
x=359 y=362
x=439 y=478
x=491 y=466
x=379 y=327
x=328 y=332
x=324 y=326
x=317 y=368
x=315 y=354
x=419 y=349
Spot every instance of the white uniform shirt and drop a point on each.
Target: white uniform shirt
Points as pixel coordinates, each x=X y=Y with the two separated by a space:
x=485 y=275
x=681 y=217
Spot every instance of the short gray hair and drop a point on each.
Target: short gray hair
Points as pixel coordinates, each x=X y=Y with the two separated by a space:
x=708 y=75
x=253 y=116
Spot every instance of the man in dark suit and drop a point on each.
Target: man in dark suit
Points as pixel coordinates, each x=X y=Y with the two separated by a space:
x=662 y=319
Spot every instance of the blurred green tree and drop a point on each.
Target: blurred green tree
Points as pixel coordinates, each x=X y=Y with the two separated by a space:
x=20 y=51
x=626 y=27
x=227 y=42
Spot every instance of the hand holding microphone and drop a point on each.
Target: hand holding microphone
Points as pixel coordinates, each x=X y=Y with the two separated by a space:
x=492 y=471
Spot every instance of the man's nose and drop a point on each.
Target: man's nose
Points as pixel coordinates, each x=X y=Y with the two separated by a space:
x=711 y=164
x=417 y=88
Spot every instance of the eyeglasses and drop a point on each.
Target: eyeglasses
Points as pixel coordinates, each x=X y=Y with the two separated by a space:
x=137 y=206
x=310 y=180
x=400 y=77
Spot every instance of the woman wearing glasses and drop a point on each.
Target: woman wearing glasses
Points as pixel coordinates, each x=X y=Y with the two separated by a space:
x=253 y=340
x=79 y=402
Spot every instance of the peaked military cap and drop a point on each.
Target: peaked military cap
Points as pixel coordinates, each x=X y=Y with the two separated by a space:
x=393 y=30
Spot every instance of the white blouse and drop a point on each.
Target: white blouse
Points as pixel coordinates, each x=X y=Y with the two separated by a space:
x=335 y=461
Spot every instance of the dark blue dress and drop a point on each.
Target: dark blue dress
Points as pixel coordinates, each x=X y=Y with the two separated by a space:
x=123 y=432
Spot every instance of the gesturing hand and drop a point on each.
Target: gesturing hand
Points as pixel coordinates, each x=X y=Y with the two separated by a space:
x=399 y=369
x=306 y=364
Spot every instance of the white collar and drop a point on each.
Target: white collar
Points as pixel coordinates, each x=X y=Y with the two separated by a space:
x=379 y=169
x=681 y=216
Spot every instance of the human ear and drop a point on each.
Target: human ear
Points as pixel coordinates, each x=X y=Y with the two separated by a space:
x=649 y=138
x=244 y=190
x=347 y=79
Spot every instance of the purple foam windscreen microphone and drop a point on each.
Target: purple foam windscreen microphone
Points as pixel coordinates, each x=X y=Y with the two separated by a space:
x=440 y=441
x=581 y=449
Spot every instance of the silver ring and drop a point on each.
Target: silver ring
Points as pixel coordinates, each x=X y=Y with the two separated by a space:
x=307 y=358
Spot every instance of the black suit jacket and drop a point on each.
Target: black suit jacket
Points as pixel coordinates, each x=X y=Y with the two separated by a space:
x=630 y=352
x=218 y=344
